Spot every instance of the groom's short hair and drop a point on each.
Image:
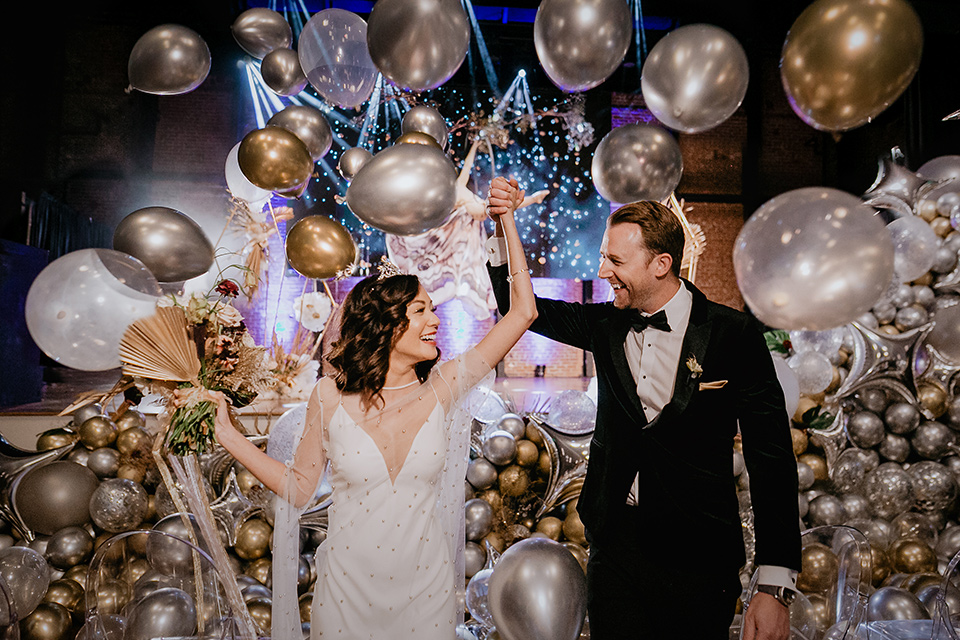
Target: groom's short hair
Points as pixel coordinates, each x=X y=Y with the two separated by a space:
x=660 y=228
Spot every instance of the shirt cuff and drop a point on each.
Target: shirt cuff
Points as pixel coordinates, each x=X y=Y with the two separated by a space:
x=777 y=576
x=496 y=251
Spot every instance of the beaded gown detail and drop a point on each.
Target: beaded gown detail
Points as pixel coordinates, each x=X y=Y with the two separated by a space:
x=391 y=567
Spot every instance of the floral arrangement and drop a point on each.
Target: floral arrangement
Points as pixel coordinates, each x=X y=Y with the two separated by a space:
x=256 y=227
x=198 y=344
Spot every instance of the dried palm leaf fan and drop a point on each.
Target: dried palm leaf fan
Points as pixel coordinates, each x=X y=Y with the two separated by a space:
x=695 y=238
x=159 y=347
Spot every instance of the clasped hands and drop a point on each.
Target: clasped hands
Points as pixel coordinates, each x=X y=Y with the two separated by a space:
x=505 y=196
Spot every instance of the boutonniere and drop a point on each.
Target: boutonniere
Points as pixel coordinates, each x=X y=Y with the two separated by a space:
x=695 y=369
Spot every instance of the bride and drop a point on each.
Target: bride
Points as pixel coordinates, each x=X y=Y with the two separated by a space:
x=388 y=423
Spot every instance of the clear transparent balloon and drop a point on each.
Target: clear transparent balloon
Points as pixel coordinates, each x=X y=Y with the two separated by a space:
x=915 y=246
x=79 y=306
x=334 y=57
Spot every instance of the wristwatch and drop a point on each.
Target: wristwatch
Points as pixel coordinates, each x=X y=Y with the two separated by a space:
x=783 y=595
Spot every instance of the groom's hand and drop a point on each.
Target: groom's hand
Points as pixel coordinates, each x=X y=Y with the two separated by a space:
x=505 y=196
x=766 y=619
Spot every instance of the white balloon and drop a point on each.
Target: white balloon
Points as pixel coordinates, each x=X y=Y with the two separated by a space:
x=238 y=184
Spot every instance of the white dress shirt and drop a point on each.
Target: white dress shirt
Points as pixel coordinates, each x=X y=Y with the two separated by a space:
x=654 y=357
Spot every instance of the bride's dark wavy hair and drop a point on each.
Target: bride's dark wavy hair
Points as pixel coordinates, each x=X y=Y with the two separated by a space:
x=373 y=317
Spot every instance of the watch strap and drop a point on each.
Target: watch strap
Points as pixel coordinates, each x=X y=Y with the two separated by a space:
x=783 y=595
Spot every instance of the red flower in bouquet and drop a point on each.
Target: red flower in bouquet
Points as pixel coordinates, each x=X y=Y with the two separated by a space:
x=228 y=289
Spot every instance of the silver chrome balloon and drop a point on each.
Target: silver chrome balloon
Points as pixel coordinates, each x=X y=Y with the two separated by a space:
x=479 y=518
x=894 y=603
x=69 y=547
x=169 y=59
x=500 y=447
x=425 y=119
x=695 y=77
x=259 y=31
x=280 y=70
x=538 y=591
x=406 y=189
x=166 y=612
x=171 y=244
x=580 y=43
x=637 y=162
x=351 y=161
x=307 y=123
x=418 y=45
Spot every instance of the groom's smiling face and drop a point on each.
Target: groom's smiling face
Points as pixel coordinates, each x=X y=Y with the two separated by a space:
x=633 y=271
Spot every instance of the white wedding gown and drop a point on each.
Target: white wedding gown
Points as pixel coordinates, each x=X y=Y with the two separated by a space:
x=388 y=570
x=391 y=567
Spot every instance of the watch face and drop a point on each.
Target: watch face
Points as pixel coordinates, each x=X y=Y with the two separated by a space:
x=788 y=596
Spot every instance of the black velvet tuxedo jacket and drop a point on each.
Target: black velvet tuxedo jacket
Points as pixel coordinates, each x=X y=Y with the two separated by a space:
x=684 y=456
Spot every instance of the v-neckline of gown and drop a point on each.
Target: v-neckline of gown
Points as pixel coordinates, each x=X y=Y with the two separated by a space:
x=376 y=446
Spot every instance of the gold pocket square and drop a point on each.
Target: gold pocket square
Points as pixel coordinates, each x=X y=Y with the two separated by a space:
x=717 y=384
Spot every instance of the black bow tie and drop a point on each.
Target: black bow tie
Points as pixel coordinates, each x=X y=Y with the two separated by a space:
x=658 y=320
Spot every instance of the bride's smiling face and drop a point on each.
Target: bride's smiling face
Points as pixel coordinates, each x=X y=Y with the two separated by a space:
x=419 y=340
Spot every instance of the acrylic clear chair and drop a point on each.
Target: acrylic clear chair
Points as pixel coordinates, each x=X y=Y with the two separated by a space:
x=9 y=624
x=136 y=574
x=835 y=609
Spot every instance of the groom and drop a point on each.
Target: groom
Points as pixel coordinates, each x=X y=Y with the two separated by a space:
x=678 y=376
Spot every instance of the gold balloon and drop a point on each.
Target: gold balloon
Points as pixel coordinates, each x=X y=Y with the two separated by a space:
x=579 y=553
x=55 y=438
x=132 y=439
x=495 y=541
x=532 y=433
x=134 y=569
x=133 y=472
x=253 y=539
x=821 y=610
x=880 y=562
x=803 y=405
x=131 y=418
x=817 y=463
x=98 y=431
x=527 y=453
x=261 y=610
x=573 y=528
x=49 y=621
x=514 y=481
x=941 y=226
x=845 y=61
x=260 y=570
x=912 y=555
x=932 y=398
x=318 y=247
x=818 y=568
x=545 y=463
x=418 y=137
x=112 y=596
x=551 y=527
x=274 y=158
x=306 y=607
x=77 y=573
x=66 y=592
x=800 y=440
x=247 y=481
x=493 y=498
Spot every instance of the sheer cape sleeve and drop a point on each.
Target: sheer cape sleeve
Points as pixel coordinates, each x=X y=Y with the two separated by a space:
x=452 y=380
x=306 y=464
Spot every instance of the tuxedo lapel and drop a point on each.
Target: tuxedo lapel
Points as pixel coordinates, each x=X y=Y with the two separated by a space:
x=615 y=332
x=695 y=342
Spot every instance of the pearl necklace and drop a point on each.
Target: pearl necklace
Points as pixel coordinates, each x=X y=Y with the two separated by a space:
x=403 y=386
